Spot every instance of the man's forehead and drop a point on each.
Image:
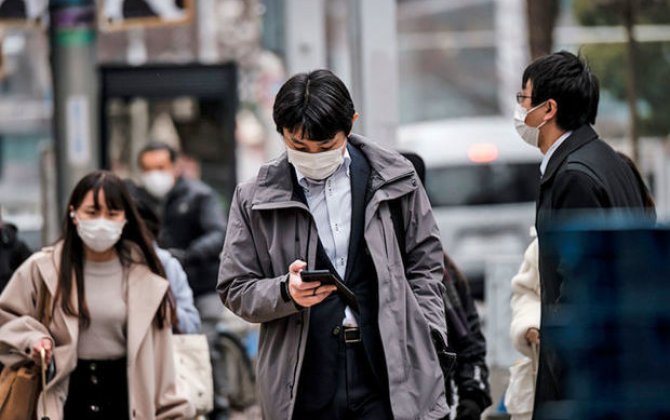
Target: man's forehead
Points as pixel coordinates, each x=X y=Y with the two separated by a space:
x=155 y=156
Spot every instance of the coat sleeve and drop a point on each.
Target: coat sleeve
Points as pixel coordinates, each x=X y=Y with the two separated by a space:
x=424 y=261
x=19 y=327
x=242 y=286
x=525 y=299
x=213 y=224
x=170 y=404
x=187 y=313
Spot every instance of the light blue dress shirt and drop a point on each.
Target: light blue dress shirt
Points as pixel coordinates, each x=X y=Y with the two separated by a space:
x=329 y=201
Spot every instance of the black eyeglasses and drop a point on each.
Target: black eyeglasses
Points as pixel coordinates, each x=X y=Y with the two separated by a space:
x=520 y=97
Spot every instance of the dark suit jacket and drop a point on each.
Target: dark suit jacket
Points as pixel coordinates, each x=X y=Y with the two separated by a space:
x=584 y=174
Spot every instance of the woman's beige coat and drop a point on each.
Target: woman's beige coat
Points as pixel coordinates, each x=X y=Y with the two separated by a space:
x=151 y=371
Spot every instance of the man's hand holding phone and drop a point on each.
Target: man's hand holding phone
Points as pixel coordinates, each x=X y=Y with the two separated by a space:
x=306 y=294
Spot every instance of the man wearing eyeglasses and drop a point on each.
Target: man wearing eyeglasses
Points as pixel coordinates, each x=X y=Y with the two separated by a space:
x=579 y=172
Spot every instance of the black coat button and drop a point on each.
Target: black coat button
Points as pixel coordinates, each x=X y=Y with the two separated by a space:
x=336 y=331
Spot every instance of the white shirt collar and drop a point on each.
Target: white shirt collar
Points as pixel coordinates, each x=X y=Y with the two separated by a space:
x=303 y=180
x=552 y=149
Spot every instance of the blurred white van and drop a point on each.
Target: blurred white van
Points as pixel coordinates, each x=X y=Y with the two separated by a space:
x=482 y=181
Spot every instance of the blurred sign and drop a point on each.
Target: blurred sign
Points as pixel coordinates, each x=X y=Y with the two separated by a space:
x=22 y=12
x=78 y=130
x=118 y=15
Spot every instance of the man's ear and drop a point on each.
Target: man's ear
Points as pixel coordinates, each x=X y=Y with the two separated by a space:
x=552 y=110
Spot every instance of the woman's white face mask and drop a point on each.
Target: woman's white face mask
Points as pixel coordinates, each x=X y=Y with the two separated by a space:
x=99 y=234
x=319 y=165
x=530 y=135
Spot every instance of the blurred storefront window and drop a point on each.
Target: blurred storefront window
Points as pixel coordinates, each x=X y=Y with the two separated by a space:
x=447 y=59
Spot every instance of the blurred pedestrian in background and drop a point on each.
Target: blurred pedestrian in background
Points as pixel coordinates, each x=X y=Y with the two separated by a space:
x=580 y=172
x=187 y=314
x=13 y=251
x=193 y=229
x=109 y=339
x=193 y=225
x=647 y=199
x=469 y=385
x=325 y=204
x=470 y=378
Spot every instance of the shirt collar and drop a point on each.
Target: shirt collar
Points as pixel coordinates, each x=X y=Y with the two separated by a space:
x=304 y=181
x=552 y=149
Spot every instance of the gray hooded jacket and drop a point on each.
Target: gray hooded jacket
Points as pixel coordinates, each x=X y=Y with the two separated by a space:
x=267 y=229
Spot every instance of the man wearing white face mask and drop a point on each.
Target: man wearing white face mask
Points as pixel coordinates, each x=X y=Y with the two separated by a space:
x=328 y=204
x=579 y=173
x=193 y=226
x=193 y=229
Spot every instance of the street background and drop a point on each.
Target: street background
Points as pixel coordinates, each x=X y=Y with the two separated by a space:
x=83 y=86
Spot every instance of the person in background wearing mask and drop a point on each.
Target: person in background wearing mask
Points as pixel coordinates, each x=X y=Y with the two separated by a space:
x=109 y=342
x=325 y=204
x=193 y=231
x=580 y=172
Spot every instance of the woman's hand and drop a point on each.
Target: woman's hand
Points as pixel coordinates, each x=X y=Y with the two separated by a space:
x=533 y=336
x=47 y=345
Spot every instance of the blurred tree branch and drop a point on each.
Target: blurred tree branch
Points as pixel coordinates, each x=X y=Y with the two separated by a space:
x=542 y=15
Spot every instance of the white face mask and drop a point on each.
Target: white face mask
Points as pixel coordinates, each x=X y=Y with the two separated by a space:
x=530 y=135
x=158 y=183
x=317 y=166
x=99 y=234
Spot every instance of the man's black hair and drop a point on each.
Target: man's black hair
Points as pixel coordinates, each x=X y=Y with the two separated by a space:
x=567 y=79
x=155 y=146
x=316 y=103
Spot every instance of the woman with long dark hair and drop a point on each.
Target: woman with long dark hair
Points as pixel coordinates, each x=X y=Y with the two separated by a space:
x=108 y=342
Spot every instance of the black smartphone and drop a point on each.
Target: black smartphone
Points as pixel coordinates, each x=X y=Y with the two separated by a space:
x=326 y=277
